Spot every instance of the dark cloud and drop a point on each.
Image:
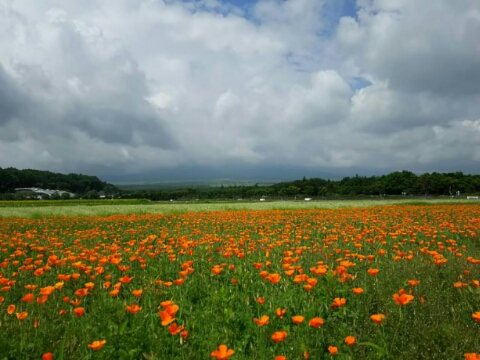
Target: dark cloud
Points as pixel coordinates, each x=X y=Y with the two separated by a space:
x=13 y=103
x=123 y=126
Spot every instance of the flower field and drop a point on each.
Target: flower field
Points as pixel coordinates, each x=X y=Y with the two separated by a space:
x=399 y=282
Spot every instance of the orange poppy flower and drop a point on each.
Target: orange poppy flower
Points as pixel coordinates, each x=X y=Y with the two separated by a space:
x=273 y=278
x=31 y=287
x=79 y=311
x=42 y=299
x=338 y=302
x=280 y=357
x=264 y=274
x=298 y=319
x=262 y=321
x=373 y=272
x=126 y=279
x=316 y=322
x=171 y=309
x=133 y=309
x=357 y=291
x=137 y=293
x=234 y=281
x=471 y=356
x=28 y=298
x=280 y=312
x=47 y=356
x=298 y=279
x=258 y=266
x=114 y=292
x=377 y=318
x=22 y=316
x=289 y=272
x=223 y=352
x=62 y=312
x=307 y=287
x=184 y=334
x=332 y=350
x=166 y=318
x=402 y=299
x=476 y=316
x=179 y=282
x=38 y=272
x=174 y=329
x=217 y=269
x=81 y=292
x=11 y=309
x=63 y=277
x=413 y=282
x=89 y=286
x=261 y=300
x=279 y=336
x=97 y=344
x=75 y=302
x=350 y=340
x=166 y=303
x=47 y=290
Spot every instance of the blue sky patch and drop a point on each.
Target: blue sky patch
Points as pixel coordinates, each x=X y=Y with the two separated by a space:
x=359 y=83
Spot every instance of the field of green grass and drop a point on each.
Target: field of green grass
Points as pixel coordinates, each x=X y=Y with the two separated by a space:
x=35 y=209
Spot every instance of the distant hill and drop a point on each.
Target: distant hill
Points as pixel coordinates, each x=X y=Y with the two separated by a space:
x=404 y=183
x=179 y=184
x=12 y=178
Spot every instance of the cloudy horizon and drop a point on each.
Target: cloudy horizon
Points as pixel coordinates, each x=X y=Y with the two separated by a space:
x=250 y=88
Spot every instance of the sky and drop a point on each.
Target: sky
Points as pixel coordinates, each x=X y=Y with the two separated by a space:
x=153 y=89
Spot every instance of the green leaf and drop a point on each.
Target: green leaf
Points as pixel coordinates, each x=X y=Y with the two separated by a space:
x=62 y=348
x=123 y=327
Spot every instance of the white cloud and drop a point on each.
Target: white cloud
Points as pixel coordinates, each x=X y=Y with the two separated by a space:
x=130 y=86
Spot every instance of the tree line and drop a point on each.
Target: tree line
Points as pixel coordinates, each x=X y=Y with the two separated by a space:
x=12 y=178
x=399 y=183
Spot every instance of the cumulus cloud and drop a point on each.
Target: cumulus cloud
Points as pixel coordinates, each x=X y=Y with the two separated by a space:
x=131 y=87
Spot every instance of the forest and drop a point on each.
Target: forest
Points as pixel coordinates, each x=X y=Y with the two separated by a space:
x=399 y=183
x=12 y=178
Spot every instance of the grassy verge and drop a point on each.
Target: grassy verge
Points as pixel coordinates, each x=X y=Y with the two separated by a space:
x=50 y=203
x=105 y=208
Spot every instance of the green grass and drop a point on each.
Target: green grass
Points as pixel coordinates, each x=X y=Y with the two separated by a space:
x=49 y=203
x=36 y=209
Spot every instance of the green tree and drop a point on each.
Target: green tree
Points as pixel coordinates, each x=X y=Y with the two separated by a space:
x=92 y=194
